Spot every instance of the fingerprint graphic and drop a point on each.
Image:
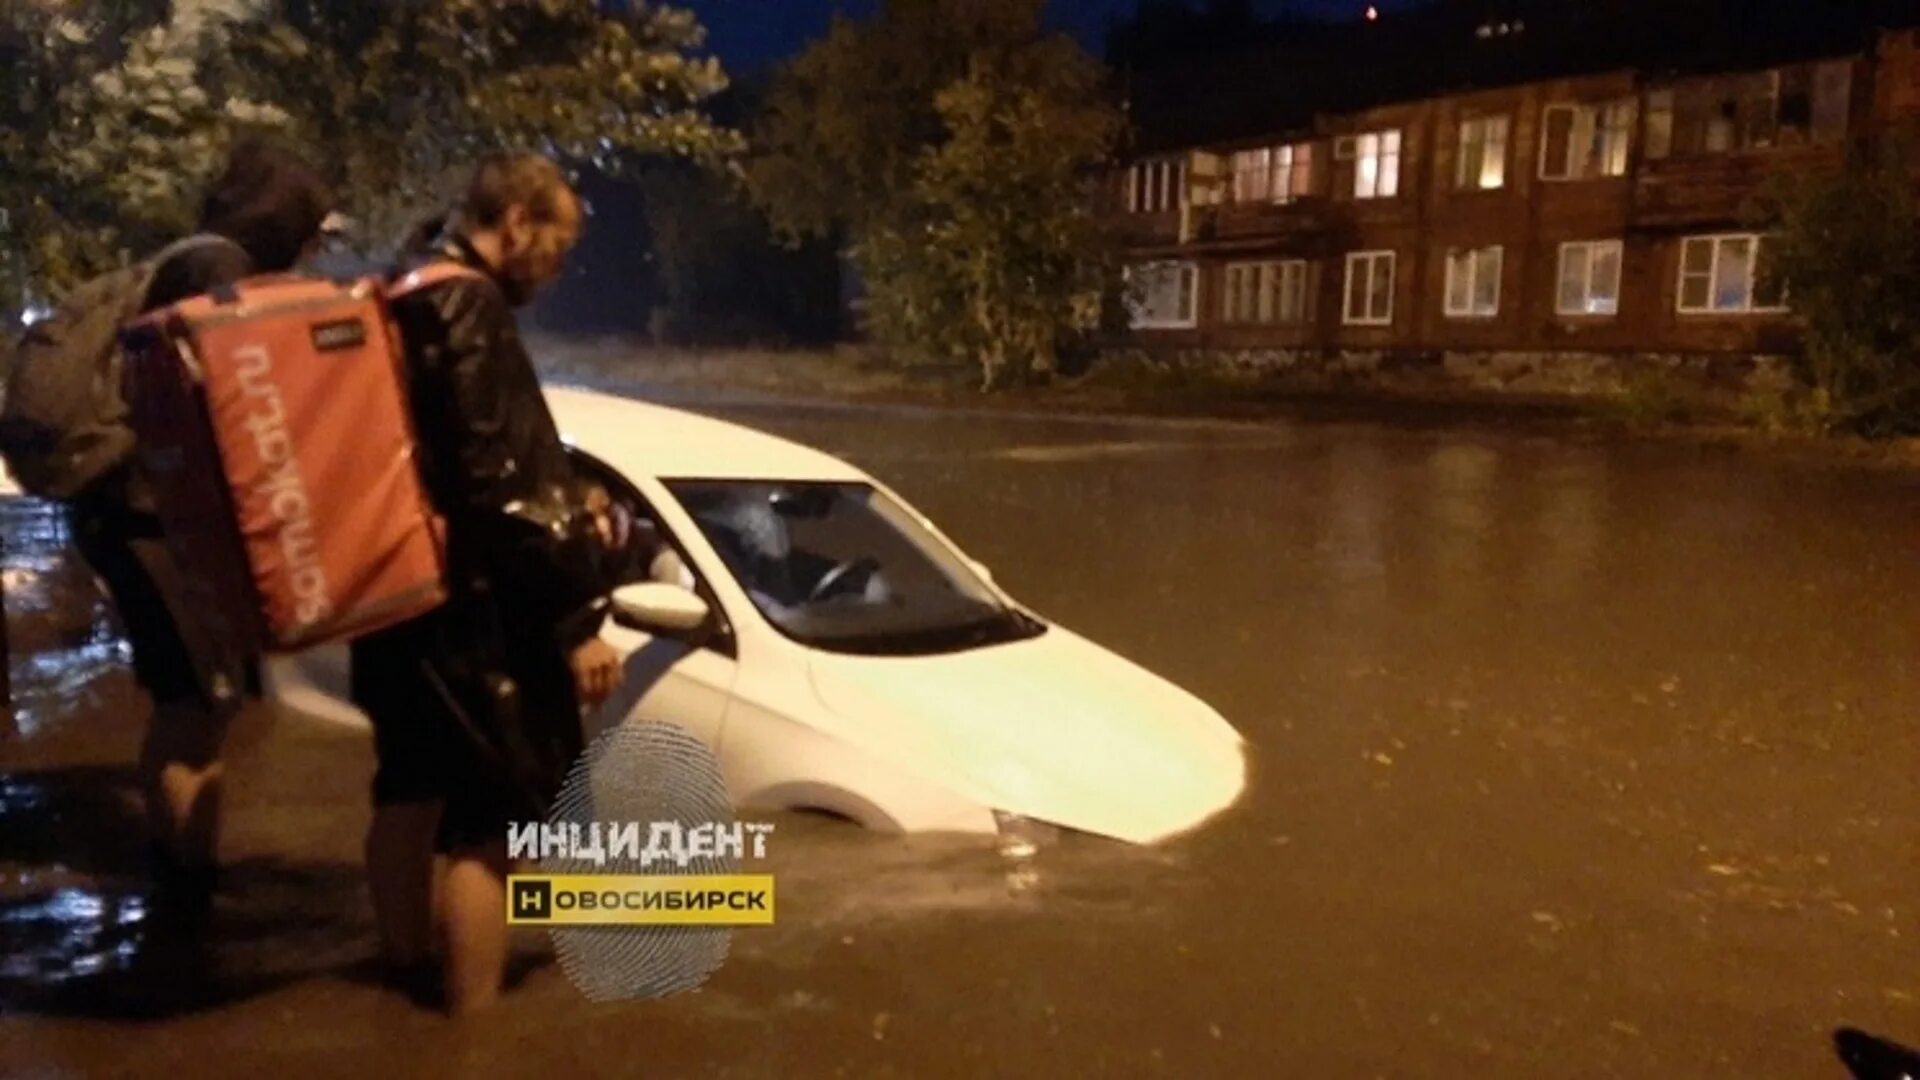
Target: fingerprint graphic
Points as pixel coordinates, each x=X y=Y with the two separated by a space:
x=642 y=772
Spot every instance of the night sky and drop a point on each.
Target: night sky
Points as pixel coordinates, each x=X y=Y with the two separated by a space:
x=749 y=33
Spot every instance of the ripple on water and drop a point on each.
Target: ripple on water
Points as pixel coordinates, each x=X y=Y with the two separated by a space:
x=835 y=875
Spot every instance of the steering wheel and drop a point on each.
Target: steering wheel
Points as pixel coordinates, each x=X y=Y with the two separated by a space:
x=832 y=581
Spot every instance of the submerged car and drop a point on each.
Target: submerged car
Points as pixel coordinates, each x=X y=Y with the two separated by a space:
x=838 y=653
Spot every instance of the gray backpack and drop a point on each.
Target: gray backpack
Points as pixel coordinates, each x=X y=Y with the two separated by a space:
x=63 y=423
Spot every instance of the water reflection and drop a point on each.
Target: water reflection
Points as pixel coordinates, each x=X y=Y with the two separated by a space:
x=1349 y=907
x=67 y=657
x=1459 y=484
x=1570 y=515
x=72 y=933
x=1358 y=516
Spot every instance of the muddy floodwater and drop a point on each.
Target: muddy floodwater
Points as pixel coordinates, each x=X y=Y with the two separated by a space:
x=1572 y=756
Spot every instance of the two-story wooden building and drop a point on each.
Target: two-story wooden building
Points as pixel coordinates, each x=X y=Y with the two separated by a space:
x=1581 y=211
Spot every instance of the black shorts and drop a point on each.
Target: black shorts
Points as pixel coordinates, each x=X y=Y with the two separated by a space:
x=462 y=717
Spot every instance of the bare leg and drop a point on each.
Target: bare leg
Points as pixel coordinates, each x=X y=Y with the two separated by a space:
x=474 y=906
x=182 y=774
x=400 y=879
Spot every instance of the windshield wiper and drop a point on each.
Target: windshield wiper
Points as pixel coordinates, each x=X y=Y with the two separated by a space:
x=1000 y=627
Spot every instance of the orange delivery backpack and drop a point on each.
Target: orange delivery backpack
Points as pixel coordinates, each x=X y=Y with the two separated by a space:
x=272 y=422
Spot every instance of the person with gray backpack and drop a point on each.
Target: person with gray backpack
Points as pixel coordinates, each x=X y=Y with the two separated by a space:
x=65 y=435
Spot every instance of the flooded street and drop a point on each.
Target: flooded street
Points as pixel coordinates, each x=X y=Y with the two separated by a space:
x=1572 y=756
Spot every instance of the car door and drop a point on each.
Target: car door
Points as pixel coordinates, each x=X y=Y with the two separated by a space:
x=686 y=680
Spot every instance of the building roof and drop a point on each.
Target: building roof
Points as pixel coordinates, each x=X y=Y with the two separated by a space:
x=1279 y=77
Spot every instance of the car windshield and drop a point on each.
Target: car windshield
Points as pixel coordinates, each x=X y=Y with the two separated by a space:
x=840 y=566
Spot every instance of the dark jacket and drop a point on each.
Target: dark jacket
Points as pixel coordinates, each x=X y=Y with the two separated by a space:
x=493 y=460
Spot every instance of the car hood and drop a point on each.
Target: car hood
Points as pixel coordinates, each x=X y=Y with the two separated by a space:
x=1054 y=728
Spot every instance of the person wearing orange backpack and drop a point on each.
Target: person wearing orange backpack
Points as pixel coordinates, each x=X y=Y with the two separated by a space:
x=262 y=214
x=476 y=706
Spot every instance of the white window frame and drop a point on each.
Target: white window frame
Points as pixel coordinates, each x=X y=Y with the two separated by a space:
x=1480 y=262
x=1595 y=149
x=1588 y=253
x=1273 y=282
x=1185 y=319
x=1371 y=260
x=1719 y=242
x=1564 y=169
x=1491 y=132
x=1377 y=163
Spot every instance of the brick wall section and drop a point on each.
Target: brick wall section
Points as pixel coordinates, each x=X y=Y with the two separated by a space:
x=1650 y=210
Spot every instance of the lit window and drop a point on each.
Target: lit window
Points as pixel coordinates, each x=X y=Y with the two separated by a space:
x=1369 y=292
x=1266 y=292
x=1376 y=170
x=1292 y=172
x=1658 y=142
x=1252 y=175
x=1482 y=161
x=1589 y=278
x=1728 y=275
x=1584 y=141
x=1156 y=186
x=1273 y=174
x=1163 y=295
x=1781 y=107
x=1473 y=282
x=1616 y=137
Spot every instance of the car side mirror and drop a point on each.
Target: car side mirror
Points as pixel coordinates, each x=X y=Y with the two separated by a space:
x=653 y=607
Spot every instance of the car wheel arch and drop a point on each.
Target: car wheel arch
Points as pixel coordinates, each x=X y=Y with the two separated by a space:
x=828 y=798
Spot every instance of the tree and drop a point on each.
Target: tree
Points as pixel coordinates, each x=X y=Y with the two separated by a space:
x=1847 y=243
x=996 y=256
x=403 y=95
x=121 y=109
x=950 y=144
x=722 y=279
x=118 y=113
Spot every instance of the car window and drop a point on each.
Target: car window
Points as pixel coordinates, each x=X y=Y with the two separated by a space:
x=842 y=567
x=660 y=556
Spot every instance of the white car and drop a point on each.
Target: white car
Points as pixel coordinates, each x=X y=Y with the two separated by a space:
x=838 y=653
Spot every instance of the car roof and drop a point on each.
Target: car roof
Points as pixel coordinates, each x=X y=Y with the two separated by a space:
x=641 y=438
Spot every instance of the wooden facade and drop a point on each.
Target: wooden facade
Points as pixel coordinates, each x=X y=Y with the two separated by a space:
x=1628 y=176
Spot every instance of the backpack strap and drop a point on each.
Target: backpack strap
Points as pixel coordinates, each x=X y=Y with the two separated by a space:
x=151 y=267
x=434 y=273
x=190 y=243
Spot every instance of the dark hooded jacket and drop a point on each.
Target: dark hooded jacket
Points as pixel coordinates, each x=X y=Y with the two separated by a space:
x=492 y=456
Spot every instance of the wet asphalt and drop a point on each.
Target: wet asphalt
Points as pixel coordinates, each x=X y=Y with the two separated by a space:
x=1572 y=756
